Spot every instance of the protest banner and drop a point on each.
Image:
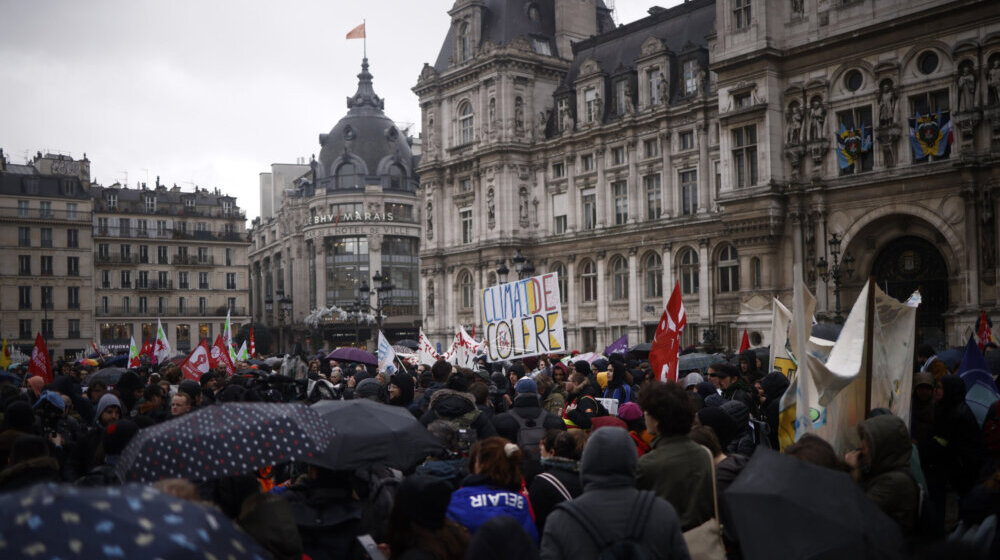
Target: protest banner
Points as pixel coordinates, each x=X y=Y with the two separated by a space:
x=523 y=318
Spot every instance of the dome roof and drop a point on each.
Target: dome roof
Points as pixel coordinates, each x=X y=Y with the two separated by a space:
x=365 y=137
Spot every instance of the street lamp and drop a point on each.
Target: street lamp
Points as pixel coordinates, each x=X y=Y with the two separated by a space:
x=502 y=272
x=383 y=292
x=842 y=269
x=522 y=266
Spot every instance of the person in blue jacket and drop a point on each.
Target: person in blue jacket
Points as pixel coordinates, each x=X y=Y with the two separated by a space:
x=494 y=488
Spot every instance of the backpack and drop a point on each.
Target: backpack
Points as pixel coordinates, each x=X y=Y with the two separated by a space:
x=627 y=547
x=467 y=435
x=530 y=431
x=760 y=432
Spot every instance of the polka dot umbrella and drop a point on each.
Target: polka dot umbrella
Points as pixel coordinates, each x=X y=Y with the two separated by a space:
x=132 y=521
x=225 y=440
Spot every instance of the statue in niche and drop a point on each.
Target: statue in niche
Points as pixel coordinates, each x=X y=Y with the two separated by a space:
x=566 y=120
x=793 y=130
x=430 y=297
x=701 y=80
x=629 y=107
x=993 y=80
x=887 y=104
x=430 y=220
x=493 y=111
x=817 y=119
x=519 y=114
x=966 y=89
x=491 y=209
x=429 y=134
x=664 y=89
x=543 y=120
x=598 y=107
x=524 y=207
x=798 y=7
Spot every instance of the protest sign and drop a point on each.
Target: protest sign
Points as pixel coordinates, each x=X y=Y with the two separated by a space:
x=523 y=318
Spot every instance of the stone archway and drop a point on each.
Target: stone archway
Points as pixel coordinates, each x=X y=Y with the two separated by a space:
x=909 y=263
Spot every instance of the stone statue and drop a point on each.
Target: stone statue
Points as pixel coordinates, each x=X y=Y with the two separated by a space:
x=524 y=207
x=430 y=297
x=701 y=80
x=966 y=89
x=793 y=130
x=566 y=120
x=493 y=111
x=429 y=135
x=797 y=7
x=664 y=89
x=518 y=114
x=491 y=209
x=543 y=120
x=993 y=80
x=629 y=107
x=430 y=220
x=887 y=105
x=598 y=107
x=817 y=118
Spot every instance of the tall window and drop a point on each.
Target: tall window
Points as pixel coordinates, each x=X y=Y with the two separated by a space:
x=588 y=279
x=161 y=254
x=142 y=279
x=654 y=276
x=618 y=156
x=202 y=280
x=184 y=337
x=729 y=270
x=347 y=176
x=745 y=156
x=687 y=140
x=48 y=330
x=126 y=305
x=465 y=184
x=654 y=198
x=74 y=328
x=24 y=236
x=465 y=217
x=589 y=200
x=23 y=208
x=587 y=162
x=46 y=265
x=651 y=148
x=619 y=273
x=690 y=69
x=464 y=42
x=142 y=228
x=144 y=254
x=465 y=124
x=45 y=209
x=654 y=77
x=620 y=94
x=46 y=237
x=72 y=266
x=230 y=280
x=73 y=238
x=24 y=265
x=24 y=329
x=559 y=207
x=143 y=305
x=689 y=191
x=620 y=191
x=126 y=279
x=71 y=210
x=466 y=289
x=928 y=105
x=689 y=271
x=46 y=297
x=741 y=13
x=755 y=276
x=182 y=281
x=112 y=201
x=150 y=204
x=590 y=98
x=560 y=270
x=397 y=177
x=24 y=297
x=855 y=129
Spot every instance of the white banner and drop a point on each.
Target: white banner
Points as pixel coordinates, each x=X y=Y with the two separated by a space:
x=523 y=318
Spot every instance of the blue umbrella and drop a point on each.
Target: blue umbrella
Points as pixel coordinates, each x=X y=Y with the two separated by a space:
x=951 y=357
x=980 y=389
x=131 y=521
x=120 y=360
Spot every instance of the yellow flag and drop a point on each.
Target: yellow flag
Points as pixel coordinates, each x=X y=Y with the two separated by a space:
x=4 y=355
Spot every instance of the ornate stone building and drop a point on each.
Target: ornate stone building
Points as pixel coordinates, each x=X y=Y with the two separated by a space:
x=350 y=217
x=716 y=145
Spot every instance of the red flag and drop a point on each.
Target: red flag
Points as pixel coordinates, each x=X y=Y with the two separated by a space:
x=220 y=356
x=357 y=33
x=665 y=351
x=984 y=333
x=253 y=347
x=40 y=363
x=147 y=349
x=745 y=343
x=196 y=363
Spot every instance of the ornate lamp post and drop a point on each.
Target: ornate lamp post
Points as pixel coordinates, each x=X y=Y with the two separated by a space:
x=268 y=309
x=842 y=269
x=522 y=267
x=383 y=295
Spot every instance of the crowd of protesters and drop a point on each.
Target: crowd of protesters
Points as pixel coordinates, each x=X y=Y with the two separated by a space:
x=536 y=466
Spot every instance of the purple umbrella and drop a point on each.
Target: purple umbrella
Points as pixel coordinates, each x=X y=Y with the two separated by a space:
x=348 y=354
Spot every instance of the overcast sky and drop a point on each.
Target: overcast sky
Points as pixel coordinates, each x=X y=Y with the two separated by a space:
x=205 y=92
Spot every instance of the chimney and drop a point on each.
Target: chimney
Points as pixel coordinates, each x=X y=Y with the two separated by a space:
x=576 y=20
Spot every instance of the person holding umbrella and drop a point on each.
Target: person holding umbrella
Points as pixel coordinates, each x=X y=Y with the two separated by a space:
x=327 y=514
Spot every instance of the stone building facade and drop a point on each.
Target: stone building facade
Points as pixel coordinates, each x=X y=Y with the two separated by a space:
x=716 y=145
x=351 y=216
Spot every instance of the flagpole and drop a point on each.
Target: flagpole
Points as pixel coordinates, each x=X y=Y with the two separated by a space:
x=869 y=343
x=364 y=38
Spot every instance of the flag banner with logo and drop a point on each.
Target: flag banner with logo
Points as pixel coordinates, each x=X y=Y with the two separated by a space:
x=665 y=350
x=930 y=134
x=40 y=363
x=523 y=318
x=425 y=351
x=253 y=346
x=852 y=144
x=619 y=346
x=161 y=348
x=197 y=362
x=219 y=355
x=386 y=355
x=463 y=350
x=133 y=353
x=242 y=355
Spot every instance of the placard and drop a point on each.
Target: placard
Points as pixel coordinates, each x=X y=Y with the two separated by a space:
x=523 y=318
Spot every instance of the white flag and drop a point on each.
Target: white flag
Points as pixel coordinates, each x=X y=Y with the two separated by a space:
x=425 y=352
x=161 y=350
x=386 y=355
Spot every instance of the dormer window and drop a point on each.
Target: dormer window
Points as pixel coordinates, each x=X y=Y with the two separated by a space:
x=590 y=99
x=227 y=207
x=690 y=77
x=741 y=14
x=150 y=204
x=465 y=124
x=654 y=77
x=112 y=201
x=541 y=46
x=189 y=203
x=620 y=93
x=397 y=176
x=464 y=42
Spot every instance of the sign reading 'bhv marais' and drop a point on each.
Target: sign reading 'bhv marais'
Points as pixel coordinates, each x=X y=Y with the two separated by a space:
x=523 y=318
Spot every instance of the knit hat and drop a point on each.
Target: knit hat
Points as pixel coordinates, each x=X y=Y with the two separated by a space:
x=923 y=378
x=191 y=387
x=55 y=399
x=583 y=367
x=526 y=385
x=423 y=500
x=607 y=422
x=722 y=423
x=18 y=416
x=107 y=400
x=117 y=435
x=205 y=378
x=692 y=378
x=714 y=400
x=629 y=412
x=368 y=389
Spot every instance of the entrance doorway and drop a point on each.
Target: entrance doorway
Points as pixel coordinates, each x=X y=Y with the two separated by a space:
x=910 y=263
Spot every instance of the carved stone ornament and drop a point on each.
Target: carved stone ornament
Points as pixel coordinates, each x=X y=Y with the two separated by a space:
x=491 y=209
x=967 y=123
x=817 y=150
x=794 y=154
x=430 y=221
x=887 y=138
x=523 y=207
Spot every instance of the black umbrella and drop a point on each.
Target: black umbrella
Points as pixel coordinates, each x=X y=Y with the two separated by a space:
x=108 y=375
x=224 y=440
x=373 y=433
x=826 y=331
x=131 y=521
x=409 y=343
x=811 y=512
x=644 y=347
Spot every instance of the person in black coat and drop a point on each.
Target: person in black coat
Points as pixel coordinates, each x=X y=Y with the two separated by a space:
x=30 y=464
x=560 y=479
x=327 y=514
x=773 y=385
x=459 y=409
x=528 y=406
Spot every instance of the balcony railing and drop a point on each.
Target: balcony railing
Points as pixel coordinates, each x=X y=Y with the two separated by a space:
x=115 y=259
x=38 y=213
x=139 y=207
x=155 y=286
x=193 y=260
x=202 y=235
x=167 y=311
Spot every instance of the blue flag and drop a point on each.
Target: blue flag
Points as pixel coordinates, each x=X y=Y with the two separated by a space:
x=619 y=346
x=980 y=390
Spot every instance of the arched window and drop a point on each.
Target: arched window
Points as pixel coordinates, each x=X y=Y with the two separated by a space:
x=755 y=282
x=654 y=276
x=347 y=176
x=397 y=176
x=560 y=270
x=465 y=124
x=464 y=42
x=729 y=270
x=589 y=281
x=689 y=271
x=619 y=273
x=465 y=287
